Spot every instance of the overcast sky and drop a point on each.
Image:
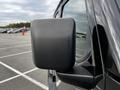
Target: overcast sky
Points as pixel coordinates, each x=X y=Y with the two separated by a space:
x=25 y=10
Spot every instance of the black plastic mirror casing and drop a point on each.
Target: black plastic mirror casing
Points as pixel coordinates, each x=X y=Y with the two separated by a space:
x=53 y=42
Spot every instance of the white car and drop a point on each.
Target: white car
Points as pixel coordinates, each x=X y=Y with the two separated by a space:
x=10 y=31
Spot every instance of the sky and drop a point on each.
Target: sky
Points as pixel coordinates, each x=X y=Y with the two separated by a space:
x=12 y=11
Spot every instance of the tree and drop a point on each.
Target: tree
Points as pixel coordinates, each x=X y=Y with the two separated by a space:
x=18 y=25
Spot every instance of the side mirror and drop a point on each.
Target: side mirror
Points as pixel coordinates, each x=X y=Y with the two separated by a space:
x=53 y=42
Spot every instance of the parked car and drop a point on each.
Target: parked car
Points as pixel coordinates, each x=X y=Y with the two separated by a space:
x=10 y=31
x=54 y=47
x=16 y=30
x=20 y=30
x=3 y=31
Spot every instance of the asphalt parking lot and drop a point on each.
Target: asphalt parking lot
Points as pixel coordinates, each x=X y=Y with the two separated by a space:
x=17 y=71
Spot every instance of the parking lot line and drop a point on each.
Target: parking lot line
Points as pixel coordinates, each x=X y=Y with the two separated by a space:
x=13 y=41
x=30 y=71
x=98 y=88
x=25 y=76
x=15 y=54
x=3 y=81
x=15 y=46
x=58 y=83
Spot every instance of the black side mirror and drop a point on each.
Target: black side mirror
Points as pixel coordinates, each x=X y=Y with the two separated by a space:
x=53 y=42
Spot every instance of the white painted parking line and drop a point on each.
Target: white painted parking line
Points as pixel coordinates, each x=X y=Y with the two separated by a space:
x=98 y=88
x=58 y=83
x=15 y=54
x=8 y=41
x=25 y=76
x=36 y=82
x=30 y=71
x=3 y=81
x=15 y=46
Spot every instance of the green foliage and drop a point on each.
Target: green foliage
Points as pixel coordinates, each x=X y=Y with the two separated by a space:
x=18 y=25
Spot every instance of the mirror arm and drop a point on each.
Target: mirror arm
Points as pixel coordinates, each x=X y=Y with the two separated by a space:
x=52 y=80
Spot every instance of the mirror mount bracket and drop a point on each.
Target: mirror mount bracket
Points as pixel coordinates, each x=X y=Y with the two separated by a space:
x=52 y=80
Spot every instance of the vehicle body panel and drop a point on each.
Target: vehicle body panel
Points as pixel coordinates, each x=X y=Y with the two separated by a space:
x=106 y=13
x=110 y=17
